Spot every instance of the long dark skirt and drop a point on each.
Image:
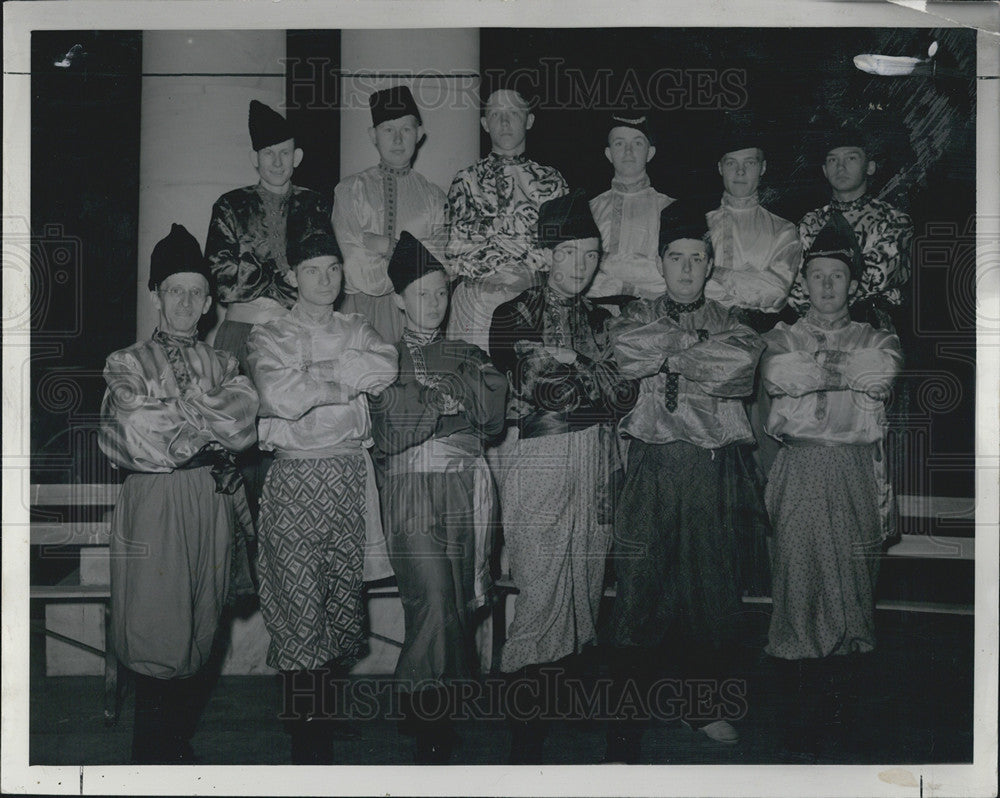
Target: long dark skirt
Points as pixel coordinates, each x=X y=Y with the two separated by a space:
x=675 y=550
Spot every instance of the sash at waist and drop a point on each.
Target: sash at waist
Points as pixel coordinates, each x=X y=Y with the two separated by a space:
x=450 y=453
x=352 y=447
x=549 y=422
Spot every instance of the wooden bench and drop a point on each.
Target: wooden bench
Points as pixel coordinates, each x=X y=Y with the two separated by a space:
x=94 y=535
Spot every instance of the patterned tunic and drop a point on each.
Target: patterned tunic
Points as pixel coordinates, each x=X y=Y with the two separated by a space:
x=555 y=476
x=828 y=495
x=493 y=212
x=757 y=255
x=169 y=401
x=246 y=241
x=884 y=234
x=493 y=215
x=628 y=216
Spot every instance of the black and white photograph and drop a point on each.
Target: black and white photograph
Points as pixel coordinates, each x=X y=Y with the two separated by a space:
x=420 y=399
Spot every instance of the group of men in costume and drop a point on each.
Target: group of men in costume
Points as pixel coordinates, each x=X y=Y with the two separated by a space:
x=605 y=353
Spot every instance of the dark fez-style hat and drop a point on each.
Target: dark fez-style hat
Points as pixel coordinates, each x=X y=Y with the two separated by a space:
x=837 y=240
x=849 y=135
x=309 y=236
x=566 y=218
x=389 y=104
x=410 y=261
x=178 y=252
x=682 y=219
x=267 y=126
x=636 y=119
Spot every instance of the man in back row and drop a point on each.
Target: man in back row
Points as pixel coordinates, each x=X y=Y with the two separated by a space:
x=372 y=208
x=493 y=209
x=884 y=233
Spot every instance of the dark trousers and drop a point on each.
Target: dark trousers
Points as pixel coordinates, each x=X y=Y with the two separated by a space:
x=166 y=716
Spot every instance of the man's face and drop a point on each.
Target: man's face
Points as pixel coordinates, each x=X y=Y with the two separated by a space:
x=276 y=163
x=318 y=280
x=181 y=300
x=629 y=151
x=572 y=265
x=686 y=267
x=828 y=284
x=847 y=169
x=507 y=121
x=425 y=302
x=396 y=140
x=741 y=171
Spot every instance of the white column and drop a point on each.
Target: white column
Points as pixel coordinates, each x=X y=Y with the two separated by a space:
x=196 y=92
x=441 y=67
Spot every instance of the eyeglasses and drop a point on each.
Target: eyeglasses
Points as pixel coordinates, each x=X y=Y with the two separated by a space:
x=196 y=294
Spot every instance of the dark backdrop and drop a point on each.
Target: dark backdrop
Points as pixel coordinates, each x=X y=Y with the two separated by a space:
x=84 y=182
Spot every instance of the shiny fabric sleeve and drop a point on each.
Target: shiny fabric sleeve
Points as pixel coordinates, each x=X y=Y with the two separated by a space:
x=402 y=417
x=887 y=260
x=238 y=277
x=765 y=288
x=469 y=226
x=787 y=372
x=365 y=267
x=724 y=363
x=229 y=410
x=483 y=393
x=869 y=370
x=641 y=346
x=142 y=432
x=285 y=390
x=368 y=364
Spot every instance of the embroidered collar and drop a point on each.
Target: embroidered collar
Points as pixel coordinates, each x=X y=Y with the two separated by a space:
x=817 y=320
x=508 y=159
x=675 y=309
x=415 y=338
x=398 y=171
x=169 y=339
x=850 y=205
x=636 y=185
x=739 y=203
x=555 y=298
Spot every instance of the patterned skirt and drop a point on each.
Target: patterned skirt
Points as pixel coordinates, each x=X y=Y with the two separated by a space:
x=312 y=534
x=823 y=502
x=556 y=542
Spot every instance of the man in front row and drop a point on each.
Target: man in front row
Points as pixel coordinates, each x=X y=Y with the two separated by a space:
x=676 y=555
x=174 y=413
x=313 y=369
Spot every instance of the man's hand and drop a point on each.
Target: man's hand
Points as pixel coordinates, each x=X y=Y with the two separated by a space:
x=562 y=354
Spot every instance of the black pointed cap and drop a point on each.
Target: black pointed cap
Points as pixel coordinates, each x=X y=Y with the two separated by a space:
x=178 y=252
x=410 y=261
x=267 y=126
x=837 y=240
